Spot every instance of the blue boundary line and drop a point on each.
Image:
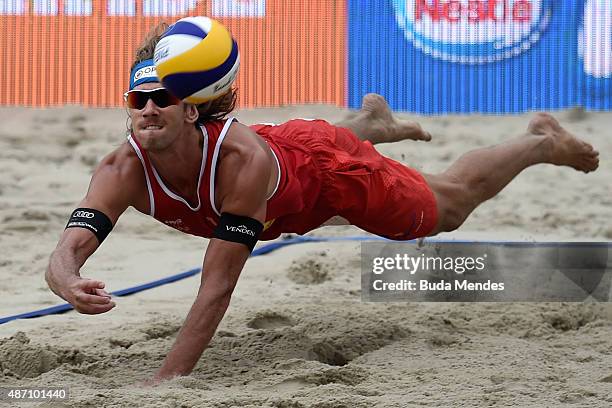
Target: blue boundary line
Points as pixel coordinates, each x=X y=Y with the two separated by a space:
x=266 y=249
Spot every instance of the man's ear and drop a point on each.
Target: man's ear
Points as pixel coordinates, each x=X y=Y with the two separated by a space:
x=191 y=113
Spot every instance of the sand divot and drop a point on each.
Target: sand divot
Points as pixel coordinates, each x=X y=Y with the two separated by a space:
x=20 y=359
x=269 y=320
x=150 y=331
x=357 y=339
x=329 y=354
x=161 y=330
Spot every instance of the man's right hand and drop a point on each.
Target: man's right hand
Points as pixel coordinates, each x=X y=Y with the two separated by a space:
x=88 y=296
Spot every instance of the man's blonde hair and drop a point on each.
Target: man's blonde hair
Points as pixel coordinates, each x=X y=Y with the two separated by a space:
x=147 y=48
x=216 y=109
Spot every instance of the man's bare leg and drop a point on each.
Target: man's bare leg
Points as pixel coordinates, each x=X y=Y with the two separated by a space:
x=480 y=174
x=375 y=123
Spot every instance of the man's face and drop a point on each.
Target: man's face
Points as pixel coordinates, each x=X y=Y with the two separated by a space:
x=155 y=127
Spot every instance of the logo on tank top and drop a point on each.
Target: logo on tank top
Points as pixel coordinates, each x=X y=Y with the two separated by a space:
x=473 y=31
x=177 y=224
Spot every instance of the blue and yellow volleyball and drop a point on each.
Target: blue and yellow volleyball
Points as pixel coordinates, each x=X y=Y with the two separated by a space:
x=197 y=59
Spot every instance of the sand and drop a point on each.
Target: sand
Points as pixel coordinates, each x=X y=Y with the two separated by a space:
x=297 y=333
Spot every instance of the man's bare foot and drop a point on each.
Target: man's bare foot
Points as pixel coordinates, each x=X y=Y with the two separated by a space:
x=375 y=123
x=566 y=149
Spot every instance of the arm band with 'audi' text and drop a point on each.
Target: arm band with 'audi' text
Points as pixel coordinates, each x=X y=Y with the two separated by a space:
x=237 y=228
x=93 y=220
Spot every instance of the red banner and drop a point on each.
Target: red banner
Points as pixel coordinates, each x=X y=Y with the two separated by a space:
x=57 y=52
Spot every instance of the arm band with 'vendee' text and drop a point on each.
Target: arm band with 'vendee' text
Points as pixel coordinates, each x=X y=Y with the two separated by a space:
x=238 y=228
x=93 y=220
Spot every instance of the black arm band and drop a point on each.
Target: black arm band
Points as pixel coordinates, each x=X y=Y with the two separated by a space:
x=237 y=228
x=93 y=220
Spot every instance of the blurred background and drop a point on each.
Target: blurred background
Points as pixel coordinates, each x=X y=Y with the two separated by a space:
x=424 y=56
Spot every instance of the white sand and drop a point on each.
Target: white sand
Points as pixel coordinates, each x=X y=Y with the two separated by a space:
x=296 y=334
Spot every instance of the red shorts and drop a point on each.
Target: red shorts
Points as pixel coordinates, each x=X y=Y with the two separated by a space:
x=371 y=191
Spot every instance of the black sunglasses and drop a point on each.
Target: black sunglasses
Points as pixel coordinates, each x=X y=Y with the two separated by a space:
x=137 y=98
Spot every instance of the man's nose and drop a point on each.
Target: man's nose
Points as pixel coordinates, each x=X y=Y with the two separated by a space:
x=150 y=108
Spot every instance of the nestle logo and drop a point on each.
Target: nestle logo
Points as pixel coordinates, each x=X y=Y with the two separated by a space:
x=83 y=214
x=241 y=229
x=474 y=10
x=473 y=31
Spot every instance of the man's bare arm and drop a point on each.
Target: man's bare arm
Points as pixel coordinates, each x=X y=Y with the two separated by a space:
x=110 y=192
x=222 y=267
x=246 y=176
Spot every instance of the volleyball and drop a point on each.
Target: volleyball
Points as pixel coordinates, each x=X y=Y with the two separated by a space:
x=197 y=59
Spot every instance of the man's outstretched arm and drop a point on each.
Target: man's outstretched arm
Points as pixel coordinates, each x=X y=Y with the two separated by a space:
x=244 y=174
x=110 y=191
x=223 y=264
